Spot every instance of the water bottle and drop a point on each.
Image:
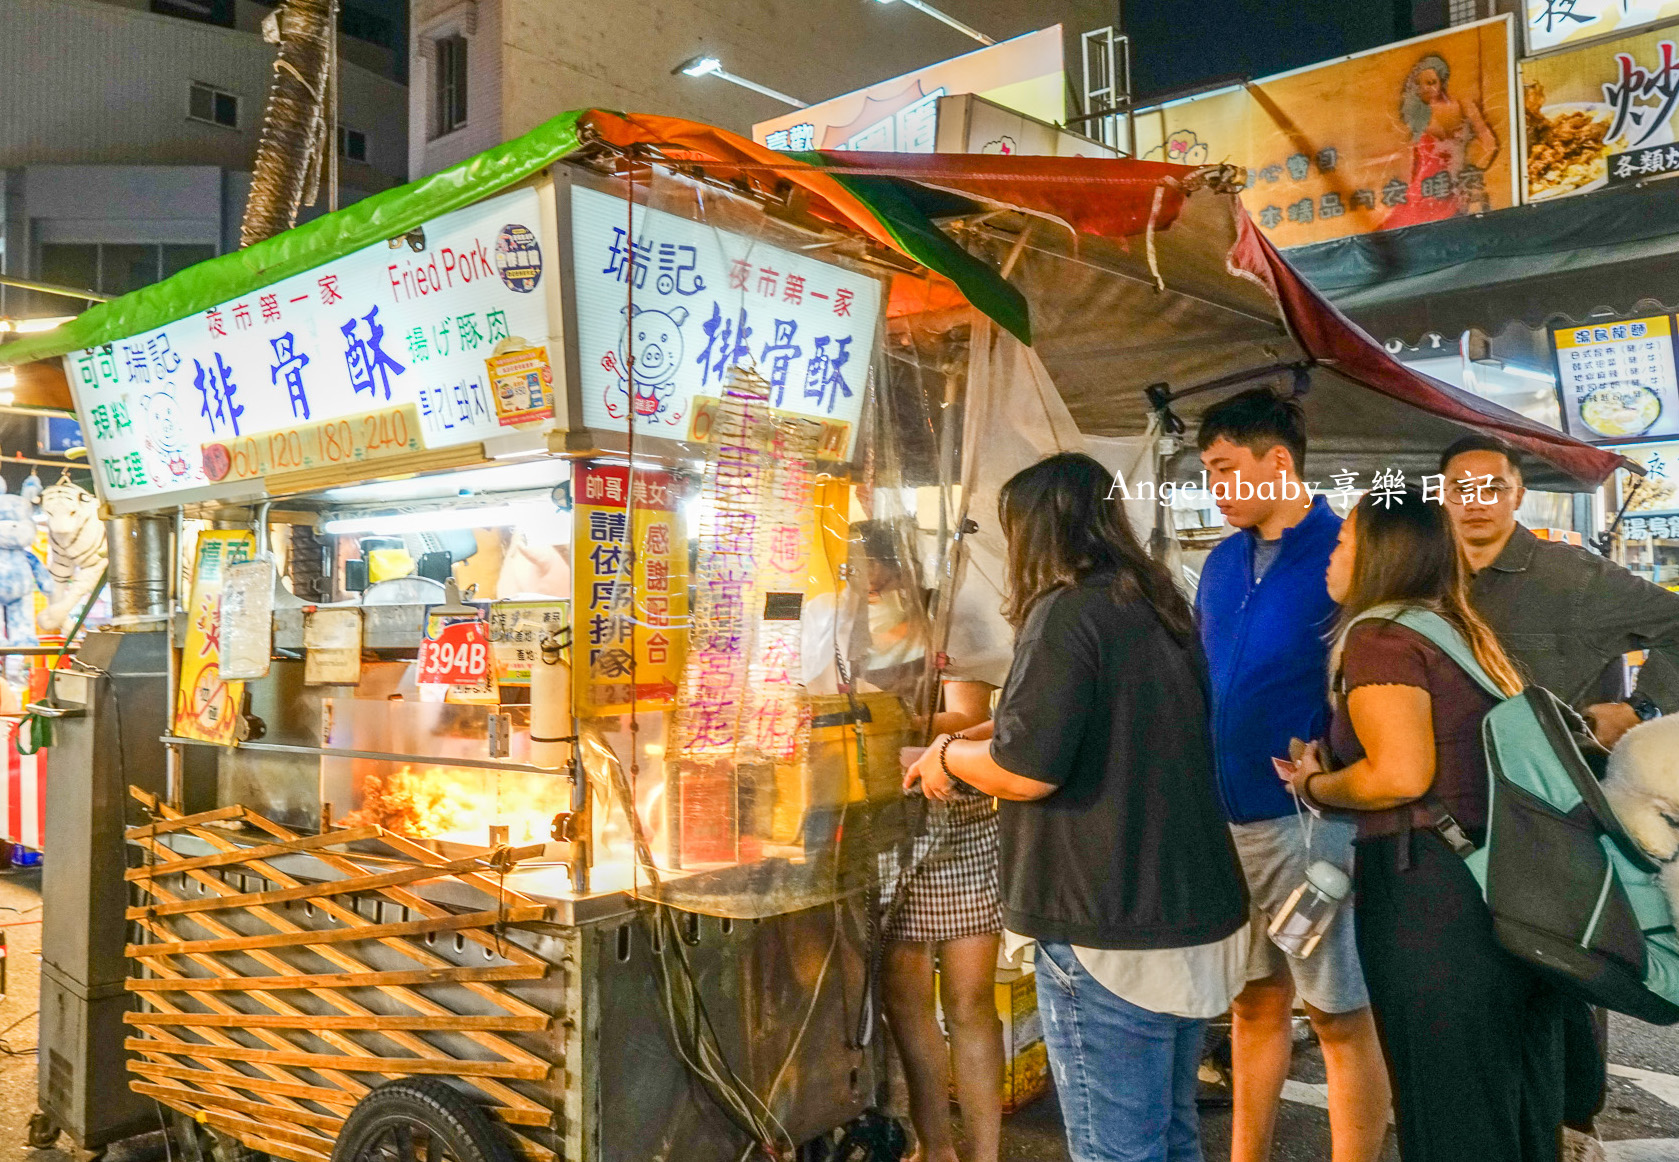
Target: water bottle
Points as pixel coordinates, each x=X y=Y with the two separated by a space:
x=1309 y=910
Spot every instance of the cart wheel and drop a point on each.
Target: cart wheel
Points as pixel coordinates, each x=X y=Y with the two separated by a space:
x=872 y=1137
x=42 y=1132
x=226 y=1148
x=419 y=1119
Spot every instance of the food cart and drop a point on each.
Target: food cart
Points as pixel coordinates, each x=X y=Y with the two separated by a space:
x=528 y=569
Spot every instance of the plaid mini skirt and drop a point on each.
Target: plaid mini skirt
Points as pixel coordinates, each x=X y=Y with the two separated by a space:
x=951 y=890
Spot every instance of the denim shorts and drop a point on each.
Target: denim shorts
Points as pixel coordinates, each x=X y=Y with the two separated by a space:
x=1274 y=860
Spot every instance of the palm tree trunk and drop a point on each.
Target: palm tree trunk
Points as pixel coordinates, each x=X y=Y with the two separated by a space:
x=294 y=122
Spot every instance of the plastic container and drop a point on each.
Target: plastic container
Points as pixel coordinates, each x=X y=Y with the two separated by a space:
x=1309 y=910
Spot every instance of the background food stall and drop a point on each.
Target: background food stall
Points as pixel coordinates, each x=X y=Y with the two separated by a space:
x=522 y=574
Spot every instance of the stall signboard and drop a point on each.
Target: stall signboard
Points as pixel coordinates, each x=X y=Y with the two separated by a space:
x=58 y=435
x=206 y=705
x=332 y=647
x=1558 y=23
x=1026 y=74
x=516 y=631
x=1616 y=381
x=708 y=300
x=381 y=352
x=1602 y=115
x=621 y=606
x=454 y=652
x=1413 y=132
x=1652 y=510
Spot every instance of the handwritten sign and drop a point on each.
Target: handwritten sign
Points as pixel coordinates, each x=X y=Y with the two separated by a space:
x=406 y=323
x=207 y=705
x=706 y=301
x=835 y=435
x=368 y=436
x=631 y=615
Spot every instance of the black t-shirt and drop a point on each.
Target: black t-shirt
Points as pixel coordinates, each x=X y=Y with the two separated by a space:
x=1132 y=850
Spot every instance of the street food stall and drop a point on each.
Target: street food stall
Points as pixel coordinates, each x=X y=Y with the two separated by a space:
x=523 y=579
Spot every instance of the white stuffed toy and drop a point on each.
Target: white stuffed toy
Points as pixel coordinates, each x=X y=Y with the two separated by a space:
x=76 y=550
x=1642 y=785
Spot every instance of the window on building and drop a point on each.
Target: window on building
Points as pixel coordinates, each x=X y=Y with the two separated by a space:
x=208 y=103
x=1463 y=11
x=115 y=268
x=352 y=144
x=449 y=113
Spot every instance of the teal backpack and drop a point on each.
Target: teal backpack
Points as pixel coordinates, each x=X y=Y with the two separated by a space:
x=1570 y=892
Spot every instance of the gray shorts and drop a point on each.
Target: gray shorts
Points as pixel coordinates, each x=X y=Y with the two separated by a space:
x=1273 y=855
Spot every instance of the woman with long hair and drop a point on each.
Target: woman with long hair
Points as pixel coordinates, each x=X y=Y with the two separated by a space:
x=1451 y=147
x=1471 y=1035
x=1116 y=857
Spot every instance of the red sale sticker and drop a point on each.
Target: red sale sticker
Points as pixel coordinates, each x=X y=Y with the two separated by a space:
x=455 y=652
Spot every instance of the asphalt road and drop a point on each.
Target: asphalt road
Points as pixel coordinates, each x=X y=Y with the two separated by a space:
x=1640 y=1123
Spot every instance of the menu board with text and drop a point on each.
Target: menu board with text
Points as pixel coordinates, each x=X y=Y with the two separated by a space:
x=1616 y=380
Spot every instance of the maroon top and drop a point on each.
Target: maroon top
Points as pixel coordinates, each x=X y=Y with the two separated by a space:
x=1380 y=653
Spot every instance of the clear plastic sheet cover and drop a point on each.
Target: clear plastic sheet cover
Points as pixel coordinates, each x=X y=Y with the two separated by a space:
x=773 y=783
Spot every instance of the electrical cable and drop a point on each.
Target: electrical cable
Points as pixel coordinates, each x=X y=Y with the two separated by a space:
x=6 y=1047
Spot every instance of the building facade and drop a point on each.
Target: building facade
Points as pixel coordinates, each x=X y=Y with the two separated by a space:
x=110 y=201
x=484 y=71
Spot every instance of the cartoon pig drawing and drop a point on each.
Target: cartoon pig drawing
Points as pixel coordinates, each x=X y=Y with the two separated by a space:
x=654 y=339
x=165 y=435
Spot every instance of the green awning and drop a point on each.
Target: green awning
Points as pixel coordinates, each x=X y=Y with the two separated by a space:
x=374 y=219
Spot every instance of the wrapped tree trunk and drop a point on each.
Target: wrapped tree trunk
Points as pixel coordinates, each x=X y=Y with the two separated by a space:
x=294 y=121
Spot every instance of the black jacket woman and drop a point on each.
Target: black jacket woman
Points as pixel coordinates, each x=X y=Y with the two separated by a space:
x=1116 y=856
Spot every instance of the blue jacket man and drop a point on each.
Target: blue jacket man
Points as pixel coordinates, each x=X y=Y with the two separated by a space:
x=1267 y=643
x=1265 y=618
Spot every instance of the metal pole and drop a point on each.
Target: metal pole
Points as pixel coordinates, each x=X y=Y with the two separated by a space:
x=946 y=18
x=172 y=780
x=765 y=90
x=53 y=288
x=337 y=128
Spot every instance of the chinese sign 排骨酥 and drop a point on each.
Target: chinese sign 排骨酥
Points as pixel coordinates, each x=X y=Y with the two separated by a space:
x=387 y=327
x=707 y=301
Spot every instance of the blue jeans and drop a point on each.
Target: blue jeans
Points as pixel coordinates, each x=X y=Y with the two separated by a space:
x=1126 y=1077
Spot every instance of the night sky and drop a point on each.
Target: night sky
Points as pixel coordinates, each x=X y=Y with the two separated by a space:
x=1177 y=43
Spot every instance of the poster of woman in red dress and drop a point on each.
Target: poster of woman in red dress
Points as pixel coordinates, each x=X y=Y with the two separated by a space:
x=1451 y=147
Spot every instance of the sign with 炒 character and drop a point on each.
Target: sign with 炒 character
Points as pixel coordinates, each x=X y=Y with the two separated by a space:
x=631 y=619
x=396 y=329
x=1604 y=114
x=1616 y=380
x=708 y=300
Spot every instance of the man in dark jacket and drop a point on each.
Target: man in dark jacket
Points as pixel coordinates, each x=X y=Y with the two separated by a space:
x=1266 y=617
x=1568 y=617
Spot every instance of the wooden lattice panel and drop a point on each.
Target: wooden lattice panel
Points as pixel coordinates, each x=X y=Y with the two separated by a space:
x=262 y=1028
